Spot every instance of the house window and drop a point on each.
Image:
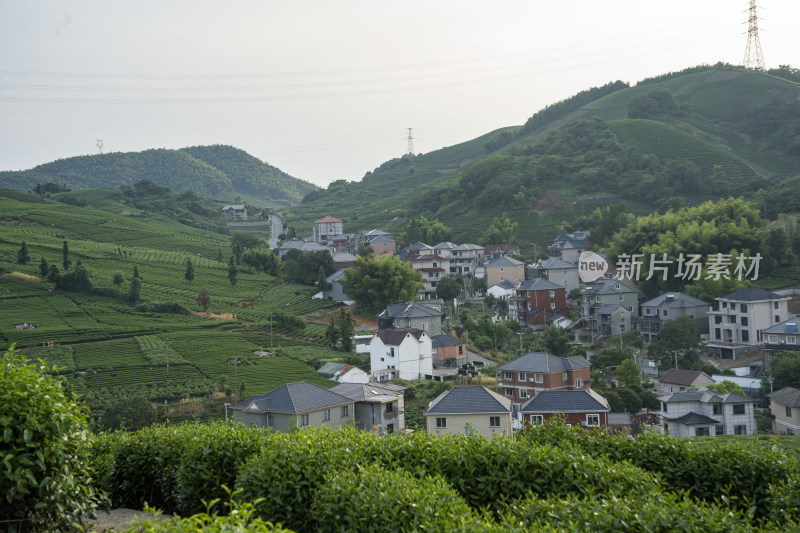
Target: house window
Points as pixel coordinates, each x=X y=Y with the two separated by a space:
x=740 y=430
x=389 y=428
x=717 y=334
x=270 y=420
x=424 y=326
x=391 y=353
x=647 y=310
x=725 y=304
x=744 y=321
x=509 y=392
x=717 y=409
x=538 y=378
x=743 y=308
x=718 y=319
x=789 y=412
x=552 y=306
x=665 y=312
x=326 y=415
x=344 y=412
x=776 y=305
x=663 y=407
x=537 y=420
x=719 y=429
x=777 y=318
x=460 y=349
x=523 y=393
x=522 y=377
x=745 y=336
x=621 y=298
x=494 y=421
x=578 y=383
x=389 y=408
x=702 y=432
x=738 y=409
x=791 y=339
x=302 y=420
x=593 y=420
x=564 y=376
x=441 y=423
x=508 y=375
x=552 y=294
x=773 y=339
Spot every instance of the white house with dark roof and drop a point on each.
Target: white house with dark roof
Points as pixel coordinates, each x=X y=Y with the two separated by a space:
x=433 y=268
x=234 y=212
x=679 y=380
x=702 y=412
x=785 y=408
x=669 y=306
x=735 y=325
x=505 y=290
x=343 y=373
x=378 y=406
x=465 y=259
x=411 y=315
x=401 y=353
x=583 y=408
x=466 y=410
x=303 y=404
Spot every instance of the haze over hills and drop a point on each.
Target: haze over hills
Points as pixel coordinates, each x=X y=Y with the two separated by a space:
x=221 y=172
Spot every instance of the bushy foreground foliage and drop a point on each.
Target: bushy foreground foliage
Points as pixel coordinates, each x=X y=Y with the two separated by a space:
x=553 y=479
x=45 y=481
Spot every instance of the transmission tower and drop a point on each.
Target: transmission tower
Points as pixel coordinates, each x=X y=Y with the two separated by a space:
x=410 y=143
x=99 y=146
x=753 y=58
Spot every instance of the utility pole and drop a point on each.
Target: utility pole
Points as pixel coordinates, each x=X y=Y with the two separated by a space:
x=753 y=57
x=410 y=150
x=235 y=381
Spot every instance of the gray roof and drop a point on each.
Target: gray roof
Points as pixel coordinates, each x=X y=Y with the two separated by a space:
x=300 y=397
x=603 y=285
x=341 y=257
x=369 y=392
x=680 y=376
x=233 y=206
x=329 y=369
x=751 y=294
x=675 y=300
x=409 y=310
x=555 y=262
x=382 y=238
x=447 y=245
x=468 y=246
x=538 y=284
x=468 y=400
x=693 y=419
x=787 y=326
x=544 y=363
x=303 y=246
x=788 y=396
x=619 y=419
x=445 y=340
x=504 y=262
x=607 y=309
x=395 y=337
x=336 y=276
x=704 y=395
x=566 y=401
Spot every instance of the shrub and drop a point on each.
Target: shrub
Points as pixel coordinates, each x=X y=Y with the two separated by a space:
x=45 y=477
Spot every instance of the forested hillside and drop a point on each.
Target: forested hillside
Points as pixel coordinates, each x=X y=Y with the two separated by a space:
x=218 y=171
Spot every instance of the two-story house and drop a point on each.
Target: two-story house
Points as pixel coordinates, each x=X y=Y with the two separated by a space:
x=607 y=292
x=302 y=404
x=679 y=380
x=411 y=315
x=781 y=337
x=539 y=302
x=465 y=259
x=467 y=410
x=378 y=406
x=534 y=372
x=569 y=246
x=583 y=408
x=401 y=353
x=448 y=351
x=506 y=291
x=496 y=251
x=702 y=412
x=234 y=212
x=558 y=271
x=504 y=269
x=325 y=229
x=735 y=325
x=670 y=306
x=785 y=408
x=383 y=245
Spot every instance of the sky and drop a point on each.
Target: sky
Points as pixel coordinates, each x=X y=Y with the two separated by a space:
x=326 y=90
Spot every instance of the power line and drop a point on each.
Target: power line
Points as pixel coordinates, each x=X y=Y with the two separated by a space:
x=753 y=57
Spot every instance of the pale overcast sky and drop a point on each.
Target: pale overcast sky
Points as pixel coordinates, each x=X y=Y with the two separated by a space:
x=326 y=89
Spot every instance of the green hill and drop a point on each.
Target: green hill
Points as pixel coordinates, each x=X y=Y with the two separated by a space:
x=218 y=171
x=722 y=131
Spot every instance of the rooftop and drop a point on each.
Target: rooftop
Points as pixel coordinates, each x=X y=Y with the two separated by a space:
x=293 y=398
x=544 y=363
x=468 y=400
x=566 y=401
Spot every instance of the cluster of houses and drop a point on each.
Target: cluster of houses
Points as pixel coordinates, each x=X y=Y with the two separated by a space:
x=410 y=345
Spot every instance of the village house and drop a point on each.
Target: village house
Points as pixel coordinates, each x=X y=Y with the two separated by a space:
x=504 y=269
x=558 y=271
x=301 y=246
x=535 y=372
x=496 y=251
x=401 y=353
x=506 y=291
x=343 y=373
x=781 y=337
x=433 y=268
x=702 y=412
x=581 y=408
x=465 y=259
x=569 y=246
x=325 y=229
x=467 y=410
x=669 y=306
x=418 y=315
x=540 y=302
x=448 y=351
x=735 y=325
x=234 y=212
x=679 y=380
x=785 y=408
x=300 y=404
x=607 y=292
x=612 y=319
x=378 y=406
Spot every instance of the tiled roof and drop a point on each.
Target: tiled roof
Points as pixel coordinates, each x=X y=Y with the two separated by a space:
x=445 y=340
x=679 y=376
x=237 y=207
x=544 y=363
x=300 y=397
x=504 y=262
x=409 y=310
x=675 y=300
x=447 y=245
x=566 y=401
x=703 y=395
x=751 y=294
x=619 y=419
x=327 y=219
x=395 y=337
x=369 y=392
x=336 y=276
x=342 y=257
x=602 y=285
x=555 y=262
x=693 y=419
x=787 y=326
x=505 y=284
x=329 y=369
x=788 y=396
x=468 y=400
x=538 y=284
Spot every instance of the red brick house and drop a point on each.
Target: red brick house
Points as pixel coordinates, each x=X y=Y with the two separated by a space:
x=535 y=372
x=584 y=408
x=540 y=302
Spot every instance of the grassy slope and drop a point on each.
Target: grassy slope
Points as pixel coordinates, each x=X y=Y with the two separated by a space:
x=101 y=332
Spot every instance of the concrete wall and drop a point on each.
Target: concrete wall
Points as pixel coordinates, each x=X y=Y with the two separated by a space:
x=476 y=422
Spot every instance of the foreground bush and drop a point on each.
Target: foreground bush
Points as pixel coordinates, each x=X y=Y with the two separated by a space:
x=45 y=482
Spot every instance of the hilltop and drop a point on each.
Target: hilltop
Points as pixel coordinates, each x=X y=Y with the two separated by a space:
x=700 y=134
x=220 y=172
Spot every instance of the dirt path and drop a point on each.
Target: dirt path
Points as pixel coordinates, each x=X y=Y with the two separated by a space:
x=118 y=519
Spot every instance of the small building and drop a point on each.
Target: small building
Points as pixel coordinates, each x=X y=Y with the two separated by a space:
x=620 y=423
x=234 y=212
x=465 y=259
x=496 y=251
x=607 y=292
x=411 y=315
x=302 y=404
x=569 y=246
x=342 y=260
x=679 y=380
x=448 y=350
x=378 y=406
x=670 y=306
x=506 y=291
x=401 y=353
x=383 y=245
x=785 y=408
x=612 y=319
x=558 y=271
x=582 y=408
x=781 y=337
x=325 y=229
x=335 y=290
x=466 y=410
x=702 y=412
x=504 y=269
x=539 y=302
x=343 y=373
x=433 y=268
x=301 y=246
x=535 y=372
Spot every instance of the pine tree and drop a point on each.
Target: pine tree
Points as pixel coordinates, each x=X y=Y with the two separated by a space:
x=233 y=272
x=23 y=257
x=332 y=333
x=346 y=329
x=65 y=256
x=189 y=275
x=135 y=292
x=44 y=268
x=136 y=272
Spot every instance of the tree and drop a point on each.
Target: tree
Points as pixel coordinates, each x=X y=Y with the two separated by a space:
x=132 y=414
x=53 y=275
x=449 y=287
x=374 y=282
x=555 y=341
x=204 y=300
x=304 y=267
x=136 y=272
x=332 y=333
x=65 y=261
x=421 y=229
x=628 y=373
x=501 y=231
x=784 y=371
x=189 y=274
x=220 y=257
x=233 y=273
x=725 y=386
x=23 y=257
x=365 y=250
x=261 y=260
x=677 y=336
x=117 y=279
x=244 y=241
x=135 y=291
x=346 y=329
x=44 y=268
x=77 y=281
x=322 y=280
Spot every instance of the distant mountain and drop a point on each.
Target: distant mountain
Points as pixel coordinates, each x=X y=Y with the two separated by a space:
x=218 y=171
x=703 y=133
